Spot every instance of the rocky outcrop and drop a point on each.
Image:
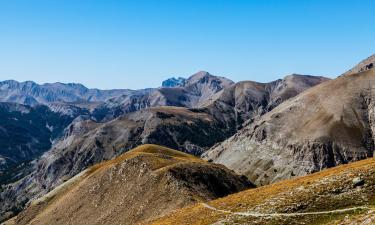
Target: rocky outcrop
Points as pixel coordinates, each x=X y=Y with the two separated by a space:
x=364 y=65
x=151 y=179
x=325 y=126
x=173 y=82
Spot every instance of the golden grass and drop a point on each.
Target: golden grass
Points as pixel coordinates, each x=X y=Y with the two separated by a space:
x=150 y=150
x=157 y=157
x=250 y=198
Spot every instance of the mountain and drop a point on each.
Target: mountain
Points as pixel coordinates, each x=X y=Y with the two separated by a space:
x=87 y=142
x=31 y=93
x=364 y=65
x=26 y=133
x=137 y=186
x=340 y=195
x=247 y=100
x=191 y=94
x=189 y=130
x=325 y=126
x=174 y=82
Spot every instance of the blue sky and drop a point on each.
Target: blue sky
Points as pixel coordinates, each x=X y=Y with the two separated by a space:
x=136 y=44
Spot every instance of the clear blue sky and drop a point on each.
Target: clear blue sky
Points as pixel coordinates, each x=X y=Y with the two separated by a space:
x=139 y=43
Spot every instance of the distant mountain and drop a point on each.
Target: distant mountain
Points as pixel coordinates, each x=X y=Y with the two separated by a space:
x=247 y=100
x=26 y=133
x=325 y=126
x=174 y=82
x=191 y=94
x=145 y=183
x=105 y=105
x=31 y=93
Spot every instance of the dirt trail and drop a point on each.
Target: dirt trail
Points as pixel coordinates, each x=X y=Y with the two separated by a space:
x=270 y=215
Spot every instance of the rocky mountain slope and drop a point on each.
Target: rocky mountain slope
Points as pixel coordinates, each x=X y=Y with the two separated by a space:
x=87 y=142
x=247 y=100
x=364 y=65
x=137 y=186
x=191 y=93
x=340 y=195
x=25 y=134
x=31 y=93
x=178 y=128
x=325 y=126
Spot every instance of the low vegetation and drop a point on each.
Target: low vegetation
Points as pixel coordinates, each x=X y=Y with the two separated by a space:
x=346 y=191
x=135 y=187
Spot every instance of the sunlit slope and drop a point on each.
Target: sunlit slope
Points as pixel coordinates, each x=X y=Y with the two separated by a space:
x=325 y=126
x=144 y=183
x=344 y=193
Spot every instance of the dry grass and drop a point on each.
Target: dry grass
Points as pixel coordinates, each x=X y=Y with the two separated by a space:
x=153 y=180
x=148 y=150
x=282 y=196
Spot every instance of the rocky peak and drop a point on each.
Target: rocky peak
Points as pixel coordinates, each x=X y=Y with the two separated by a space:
x=174 y=82
x=198 y=76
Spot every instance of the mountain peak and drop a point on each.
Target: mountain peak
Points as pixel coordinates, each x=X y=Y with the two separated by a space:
x=199 y=75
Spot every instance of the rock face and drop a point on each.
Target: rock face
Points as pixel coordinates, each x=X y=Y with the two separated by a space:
x=174 y=82
x=151 y=179
x=30 y=93
x=25 y=134
x=247 y=100
x=327 y=125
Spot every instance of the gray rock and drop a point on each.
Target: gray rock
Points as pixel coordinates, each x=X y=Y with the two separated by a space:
x=358 y=181
x=327 y=125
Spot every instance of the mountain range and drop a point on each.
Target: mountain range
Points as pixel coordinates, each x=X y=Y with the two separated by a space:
x=70 y=142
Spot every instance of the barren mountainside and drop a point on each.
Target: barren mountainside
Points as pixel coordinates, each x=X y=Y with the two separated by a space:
x=364 y=65
x=325 y=126
x=191 y=93
x=247 y=100
x=25 y=134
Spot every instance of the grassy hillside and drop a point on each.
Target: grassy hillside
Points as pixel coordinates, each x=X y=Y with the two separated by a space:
x=137 y=186
x=340 y=195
